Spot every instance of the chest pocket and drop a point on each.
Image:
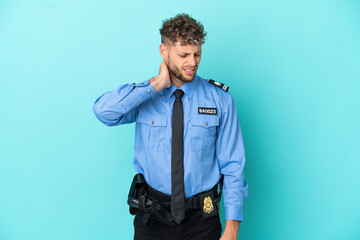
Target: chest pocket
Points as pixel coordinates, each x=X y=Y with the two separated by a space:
x=155 y=127
x=203 y=132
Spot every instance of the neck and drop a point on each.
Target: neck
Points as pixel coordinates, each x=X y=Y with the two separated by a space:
x=177 y=82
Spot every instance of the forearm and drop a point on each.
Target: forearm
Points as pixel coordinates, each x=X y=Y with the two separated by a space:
x=231 y=230
x=232 y=226
x=118 y=106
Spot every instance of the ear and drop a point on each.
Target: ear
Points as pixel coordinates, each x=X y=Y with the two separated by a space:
x=163 y=51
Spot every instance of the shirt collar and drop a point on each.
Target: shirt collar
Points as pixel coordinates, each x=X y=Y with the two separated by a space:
x=188 y=88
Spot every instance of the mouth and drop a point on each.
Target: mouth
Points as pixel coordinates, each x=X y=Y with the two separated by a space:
x=189 y=71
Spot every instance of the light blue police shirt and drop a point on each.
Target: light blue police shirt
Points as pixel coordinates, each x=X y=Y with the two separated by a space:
x=213 y=143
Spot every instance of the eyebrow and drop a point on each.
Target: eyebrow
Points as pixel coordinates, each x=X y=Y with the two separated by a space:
x=187 y=52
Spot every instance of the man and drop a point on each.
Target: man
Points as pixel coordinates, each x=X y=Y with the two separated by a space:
x=187 y=137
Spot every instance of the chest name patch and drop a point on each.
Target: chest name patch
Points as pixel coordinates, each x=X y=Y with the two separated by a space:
x=209 y=111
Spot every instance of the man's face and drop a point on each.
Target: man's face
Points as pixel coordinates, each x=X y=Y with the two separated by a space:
x=183 y=60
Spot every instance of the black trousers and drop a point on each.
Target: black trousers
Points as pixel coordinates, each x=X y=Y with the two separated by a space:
x=194 y=227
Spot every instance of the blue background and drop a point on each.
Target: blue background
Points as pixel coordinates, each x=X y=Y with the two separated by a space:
x=293 y=68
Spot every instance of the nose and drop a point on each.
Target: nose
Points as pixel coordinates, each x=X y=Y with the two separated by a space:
x=192 y=61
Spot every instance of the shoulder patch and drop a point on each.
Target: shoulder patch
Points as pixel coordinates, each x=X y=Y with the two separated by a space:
x=219 y=84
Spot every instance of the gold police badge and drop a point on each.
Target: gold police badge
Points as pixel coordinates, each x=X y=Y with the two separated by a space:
x=208 y=205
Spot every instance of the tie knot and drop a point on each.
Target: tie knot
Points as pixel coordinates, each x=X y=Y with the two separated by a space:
x=178 y=93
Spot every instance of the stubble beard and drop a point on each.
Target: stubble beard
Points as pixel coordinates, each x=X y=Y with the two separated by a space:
x=177 y=73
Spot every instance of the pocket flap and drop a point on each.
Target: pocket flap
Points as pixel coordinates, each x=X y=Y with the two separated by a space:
x=206 y=121
x=152 y=120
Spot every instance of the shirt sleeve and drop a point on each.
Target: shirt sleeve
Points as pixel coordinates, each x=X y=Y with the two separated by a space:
x=119 y=106
x=231 y=158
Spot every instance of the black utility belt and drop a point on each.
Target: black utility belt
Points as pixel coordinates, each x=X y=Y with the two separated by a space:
x=142 y=197
x=207 y=202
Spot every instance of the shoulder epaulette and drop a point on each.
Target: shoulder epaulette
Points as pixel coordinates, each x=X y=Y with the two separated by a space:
x=219 y=84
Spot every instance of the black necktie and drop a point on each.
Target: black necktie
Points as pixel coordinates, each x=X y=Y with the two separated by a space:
x=177 y=156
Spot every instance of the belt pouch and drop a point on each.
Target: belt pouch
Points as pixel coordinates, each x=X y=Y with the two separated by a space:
x=208 y=206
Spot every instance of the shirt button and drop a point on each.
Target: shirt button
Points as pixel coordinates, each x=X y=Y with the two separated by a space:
x=142 y=83
x=206 y=124
x=148 y=91
x=152 y=122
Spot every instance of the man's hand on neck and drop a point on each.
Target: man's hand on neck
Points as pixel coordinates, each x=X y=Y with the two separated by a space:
x=162 y=80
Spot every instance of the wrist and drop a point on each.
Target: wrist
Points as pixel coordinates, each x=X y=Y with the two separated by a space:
x=156 y=83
